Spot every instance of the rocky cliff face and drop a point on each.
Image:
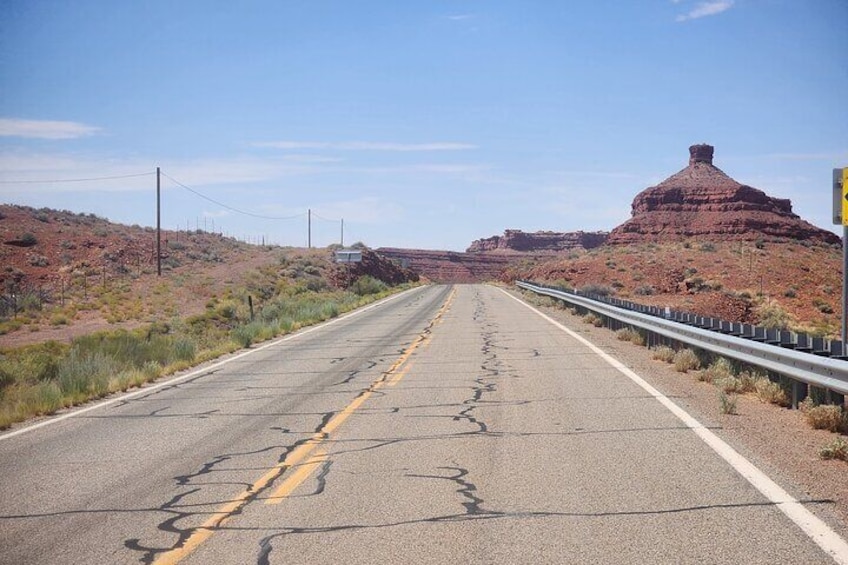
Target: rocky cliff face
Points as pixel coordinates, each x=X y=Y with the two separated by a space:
x=373 y=264
x=538 y=242
x=701 y=201
x=450 y=266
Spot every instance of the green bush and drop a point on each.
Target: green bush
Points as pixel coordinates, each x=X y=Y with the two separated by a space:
x=247 y=334
x=367 y=284
x=29 y=239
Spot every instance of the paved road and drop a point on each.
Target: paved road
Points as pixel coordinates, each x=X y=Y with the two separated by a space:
x=448 y=425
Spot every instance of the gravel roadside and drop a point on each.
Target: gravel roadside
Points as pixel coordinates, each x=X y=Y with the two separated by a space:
x=775 y=439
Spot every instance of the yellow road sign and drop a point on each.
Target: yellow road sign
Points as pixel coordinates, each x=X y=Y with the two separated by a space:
x=845 y=196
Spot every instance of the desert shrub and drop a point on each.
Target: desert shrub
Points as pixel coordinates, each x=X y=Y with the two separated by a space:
x=721 y=368
x=367 y=284
x=837 y=449
x=772 y=315
x=707 y=246
x=247 y=334
x=729 y=385
x=38 y=261
x=790 y=293
x=696 y=284
x=825 y=417
x=58 y=319
x=663 y=353
x=318 y=284
x=771 y=392
x=645 y=290
x=631 y=335
x=686 y=360
x=823 y=306
x=625 y=334
x=597 y=289
x=596 y=321
x=29 y=239
x=727 y=402
x=748 y=381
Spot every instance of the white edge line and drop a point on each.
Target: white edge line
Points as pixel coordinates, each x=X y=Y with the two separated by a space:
x=170 y=382
x=817 y=530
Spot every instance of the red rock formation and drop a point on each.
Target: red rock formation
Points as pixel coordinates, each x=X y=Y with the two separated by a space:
x=450 y=266
x=701 y=201
x=374 y=264
x=538 y=242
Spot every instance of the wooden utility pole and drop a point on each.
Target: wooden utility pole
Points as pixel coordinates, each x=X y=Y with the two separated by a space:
x=158 y=224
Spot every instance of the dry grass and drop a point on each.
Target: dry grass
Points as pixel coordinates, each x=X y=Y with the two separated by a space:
x=41 y=379
x=727 y=403
x=663 y=353
x=686 y=360
x=720 y=369
x=771 y=392
x=594 y=320
x=825 y=416
x=631 y=335
x=837 y=449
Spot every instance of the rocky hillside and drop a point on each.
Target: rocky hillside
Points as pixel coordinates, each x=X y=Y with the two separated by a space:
x=538 y=242
x=65 y=274
x=375 y=265
x=702 y=202
x=797 y=282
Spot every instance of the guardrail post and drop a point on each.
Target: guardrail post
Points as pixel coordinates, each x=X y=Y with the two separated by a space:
x=799 y=393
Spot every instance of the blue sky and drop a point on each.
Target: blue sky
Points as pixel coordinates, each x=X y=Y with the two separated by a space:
x=423 y=124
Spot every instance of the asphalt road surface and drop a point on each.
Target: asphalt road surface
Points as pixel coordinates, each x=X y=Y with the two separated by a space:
x=446 y=425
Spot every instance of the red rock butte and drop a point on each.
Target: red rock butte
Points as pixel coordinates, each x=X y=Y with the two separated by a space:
x=702 y=202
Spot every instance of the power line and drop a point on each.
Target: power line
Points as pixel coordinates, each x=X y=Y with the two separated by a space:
x=90 y=179
x=236 y=210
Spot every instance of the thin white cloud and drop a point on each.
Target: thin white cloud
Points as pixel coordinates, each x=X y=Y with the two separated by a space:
x=705 y=9
x=366 y=146
x=47 y=172
x=45 y=129
x=460 y=17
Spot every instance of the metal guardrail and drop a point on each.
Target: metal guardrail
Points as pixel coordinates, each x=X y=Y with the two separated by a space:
x=822 y=372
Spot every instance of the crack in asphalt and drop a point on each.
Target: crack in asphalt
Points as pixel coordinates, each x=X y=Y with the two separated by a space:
x=169 y=525
x=472 y=503
x=356 y=372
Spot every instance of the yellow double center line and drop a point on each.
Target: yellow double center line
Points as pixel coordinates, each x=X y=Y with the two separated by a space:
x=303 y=452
